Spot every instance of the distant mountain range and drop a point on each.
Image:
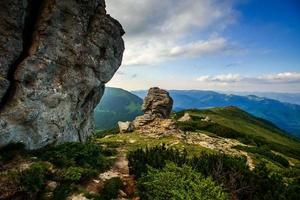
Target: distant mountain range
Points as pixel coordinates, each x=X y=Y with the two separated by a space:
x=116 y=105
x=121 y=105
x=284 y=115
x=293 y=98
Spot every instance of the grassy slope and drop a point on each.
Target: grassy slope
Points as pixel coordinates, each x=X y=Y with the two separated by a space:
x=116 y=105
x=134 y=141
x=245 y=123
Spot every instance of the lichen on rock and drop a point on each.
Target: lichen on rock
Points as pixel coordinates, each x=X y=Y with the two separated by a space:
x=55 y=58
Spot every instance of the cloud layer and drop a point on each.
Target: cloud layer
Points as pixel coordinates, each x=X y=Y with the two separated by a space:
x=159 y=30
x=282 y=78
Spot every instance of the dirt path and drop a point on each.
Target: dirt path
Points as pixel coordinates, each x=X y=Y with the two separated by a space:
x=120 y=169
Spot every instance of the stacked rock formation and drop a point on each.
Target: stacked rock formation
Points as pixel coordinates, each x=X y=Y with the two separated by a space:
x=157 y=108
x=55 y=58
x=157 y=104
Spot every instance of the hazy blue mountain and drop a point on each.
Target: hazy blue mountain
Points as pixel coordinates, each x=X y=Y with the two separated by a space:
x=284 y=115
x=293 y=98
x=116 y=105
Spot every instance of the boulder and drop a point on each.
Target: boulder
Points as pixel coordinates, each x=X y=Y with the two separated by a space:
x=156 y=120
x=125 y=127
x=157 y=105
x=206 y=119
x=185 y=118
x=51 y=186
x=55 y=59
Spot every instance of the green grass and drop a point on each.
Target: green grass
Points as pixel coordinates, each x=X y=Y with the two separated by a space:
x=248 y=126
x=134 y=141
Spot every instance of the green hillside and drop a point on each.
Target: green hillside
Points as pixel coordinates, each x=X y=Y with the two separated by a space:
x=241 y=125
x=248 y=157
x=220 y=153
x=116 y=105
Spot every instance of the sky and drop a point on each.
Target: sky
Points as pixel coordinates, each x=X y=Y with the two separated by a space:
x=229 y=45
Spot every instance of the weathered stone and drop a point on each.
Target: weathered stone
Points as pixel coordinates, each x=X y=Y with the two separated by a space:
x=159 y=127
x=185 y=118
x=125 y=127
x=157 y=107
x=55 y=58
x=12 y=15
x=77 y=197
x=157 y=104
x=51 y=185
x=206 y=119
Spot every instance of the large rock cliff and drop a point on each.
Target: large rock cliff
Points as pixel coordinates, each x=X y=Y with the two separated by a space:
x=55 y=58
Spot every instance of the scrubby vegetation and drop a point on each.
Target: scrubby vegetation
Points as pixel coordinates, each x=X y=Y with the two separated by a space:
x=67 y=164
x=178 y=183
x=33 y=179
x=196 y=124
x=155 y=157
x=77 y=154
x=267 y=153
x=230 y=172
x=11 y=151
x=111 y=189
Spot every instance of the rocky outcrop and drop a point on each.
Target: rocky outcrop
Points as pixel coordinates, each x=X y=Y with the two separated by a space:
x=55 y=58
x=156 y=120
x=157 y=105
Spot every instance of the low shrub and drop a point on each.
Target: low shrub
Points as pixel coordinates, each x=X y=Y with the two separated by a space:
x=33 y=179
x=8 y=152
x=79 y=155
x=63 y=191
x=111 y=189
x=76 y=174
x=267 y=153
x=178 y=183
x=197 y=125
x=155 y=157
x=232 y=172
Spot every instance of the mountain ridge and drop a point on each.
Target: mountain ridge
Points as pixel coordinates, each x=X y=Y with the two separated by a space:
x=284 y=115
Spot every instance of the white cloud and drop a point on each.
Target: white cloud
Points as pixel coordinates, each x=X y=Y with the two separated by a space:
x=284 y=77
x=200 y=48
x=158 y=30
x=287 y=77
x=152 y=53
x=223 y=78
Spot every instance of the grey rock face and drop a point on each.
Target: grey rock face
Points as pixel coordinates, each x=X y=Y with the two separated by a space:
x=157 y=105
x=55 y=58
